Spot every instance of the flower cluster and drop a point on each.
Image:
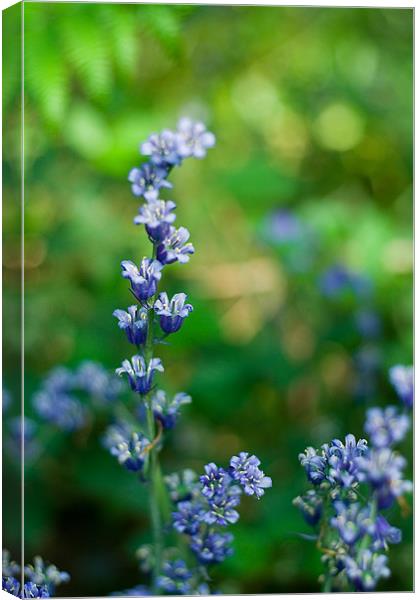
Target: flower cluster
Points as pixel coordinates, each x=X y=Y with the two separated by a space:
x=205 y=506
x=179 y=579
x=336 y=463
x=40 y=579
x=352 y=483
x=58 y=401
x=209 y=504
x=169 y=148
x=165 y=150
x=386 y=427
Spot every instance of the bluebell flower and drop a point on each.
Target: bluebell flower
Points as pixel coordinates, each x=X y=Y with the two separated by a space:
x=61 y=409
x=314 y=465
x=172 y=312
x=157 y=216
x=335 y=463
x=383 y=470
x=144 y=278
x=193 y=138
x=163 y=149
x=147 y=180
x=175 y=247
x=139 y=373
x=134 y=322
x=386 y=427
x=221 y=510
x=245 y=469
x=167 y=410
x=310 y=505
x=32 y=590
x=188 y=517
x=383 y=534
x=342 y=460
x=402 y=378
x=214 y=482
x=214 y=547
x=129 y=447
x=175 y=578
x=351 y=520
x=11 y=585
x=366 y=569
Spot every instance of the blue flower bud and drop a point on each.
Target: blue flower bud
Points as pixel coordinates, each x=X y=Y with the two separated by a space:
x=172 y=312
x=139 y=373
x=134 y=322
x=144 y=278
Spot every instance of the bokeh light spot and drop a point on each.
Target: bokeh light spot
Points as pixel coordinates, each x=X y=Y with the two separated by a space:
x=339 y=127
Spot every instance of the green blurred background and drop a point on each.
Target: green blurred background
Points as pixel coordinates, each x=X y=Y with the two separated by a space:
x=312 y=109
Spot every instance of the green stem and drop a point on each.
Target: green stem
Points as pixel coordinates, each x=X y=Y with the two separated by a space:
x=326 y=588
x=153 y=466
x=155 y=517
x=322 y=545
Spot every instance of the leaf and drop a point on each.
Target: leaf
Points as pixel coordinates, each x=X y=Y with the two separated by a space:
x=123 y=40
x=47 y=83
x=307 y=536
x=164 y=24
x=46 y=76
x=85 y=47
